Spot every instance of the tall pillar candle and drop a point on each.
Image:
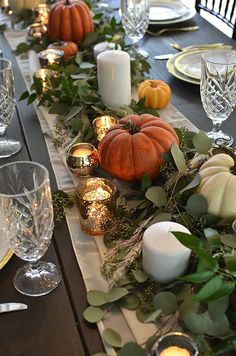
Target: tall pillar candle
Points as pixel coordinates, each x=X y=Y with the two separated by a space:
x=164 y=257
x=114 y=79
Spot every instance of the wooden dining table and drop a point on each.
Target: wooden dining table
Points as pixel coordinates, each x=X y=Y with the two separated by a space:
x=54 y=324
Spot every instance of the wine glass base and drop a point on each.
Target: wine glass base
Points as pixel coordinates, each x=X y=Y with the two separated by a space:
x=220 y=138
x=9 y=147
x=38 y=281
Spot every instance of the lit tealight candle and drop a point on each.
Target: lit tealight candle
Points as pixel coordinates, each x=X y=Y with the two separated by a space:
x=164 y=257
x=95 y=198
x=175 y=351
x=175 y=344
x=51 y=56
x=82 y=159
x=102 y=124
x=46 y=77
x=114 y=80
x=36 y=31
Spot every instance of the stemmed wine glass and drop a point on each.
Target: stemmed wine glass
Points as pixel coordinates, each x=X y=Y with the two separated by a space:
x=135 y=20
x=218 y=90
x=8 y=147
x=26 y=224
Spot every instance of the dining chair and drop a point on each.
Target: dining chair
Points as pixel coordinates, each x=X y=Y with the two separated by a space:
x=225 y=10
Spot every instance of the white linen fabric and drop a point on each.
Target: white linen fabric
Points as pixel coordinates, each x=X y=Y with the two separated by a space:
x=88 y=250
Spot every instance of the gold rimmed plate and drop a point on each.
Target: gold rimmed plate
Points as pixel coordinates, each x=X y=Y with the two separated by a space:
x=5 y=254
x=173 y=70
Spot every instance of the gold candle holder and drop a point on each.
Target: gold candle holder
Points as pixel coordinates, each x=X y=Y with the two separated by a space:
x=46 y=77
x=82 y=159
x=102 y=124
x=36 y=31
x=42 y=13
x=95 y=198
x=173 y=343
x=51 y=56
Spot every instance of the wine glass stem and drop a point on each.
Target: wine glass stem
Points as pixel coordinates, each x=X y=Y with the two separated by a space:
x=216 y=126
x=34 y=266
x=3 y=133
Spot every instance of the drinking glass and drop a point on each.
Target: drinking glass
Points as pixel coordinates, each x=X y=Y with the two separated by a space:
x=218 y=90
x=8 y=147
x=26 y=224
x=135 y=20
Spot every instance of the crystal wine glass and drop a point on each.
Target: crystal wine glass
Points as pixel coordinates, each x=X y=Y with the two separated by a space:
x=26 y=224
x=135 y=20
x=218 y=90
x=8 y=147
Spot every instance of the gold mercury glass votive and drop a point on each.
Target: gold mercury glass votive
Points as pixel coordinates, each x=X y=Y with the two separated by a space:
x=175 y=343
x=51 y=56
x=42 y=12
x=82 y=159
x=95 y=198
x=46 y=77
x=36 y=31
x=102 y=124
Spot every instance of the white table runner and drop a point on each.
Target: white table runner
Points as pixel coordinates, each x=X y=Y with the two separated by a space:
x=89 y=250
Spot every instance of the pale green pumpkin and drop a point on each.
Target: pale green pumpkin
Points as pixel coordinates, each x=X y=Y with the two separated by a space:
x=28 y=4
x=218 y=185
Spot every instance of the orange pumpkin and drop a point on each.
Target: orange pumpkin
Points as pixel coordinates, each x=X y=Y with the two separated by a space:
x=135 y=145
x=69 y=48
x=69 y=21
x=156 y=92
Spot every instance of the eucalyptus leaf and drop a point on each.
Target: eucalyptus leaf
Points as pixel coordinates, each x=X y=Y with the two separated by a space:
x=86 y=65
x=188 y=306
x=157 y=196
x=131 y=349
x=59 y=109
x=76 y=124
x=145 y=182
x=193 y=184
x=111 y=337
x=96 y=298
x=130 y=301
x=196 y=205
x=166 y=301
x=209 y=289
x=202 y=142
x=198 y=277
x=115 y=294
x=230 y=262
x=160 y=217
x=142 y=315
x=178 y=157
x=209 y=261
x=75 y=110
x=228 y=240
x=140 y=275
x=187 y=240
x=217 y=328
x=213 y=237
x=217 y=308
x=195 y=323
x=90 y=38
x=154 y=316
x=226 y=289
x=93 y=314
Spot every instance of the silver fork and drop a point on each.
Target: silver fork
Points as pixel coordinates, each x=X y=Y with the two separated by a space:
x=180 y=29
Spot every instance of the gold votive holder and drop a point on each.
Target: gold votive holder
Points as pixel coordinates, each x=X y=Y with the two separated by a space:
x=46 y=77
x=102 y=124
x=42 y=13
x=36 y=31
x=95 y=199
x=82 y=159
x=173 y=343
x=51 y=56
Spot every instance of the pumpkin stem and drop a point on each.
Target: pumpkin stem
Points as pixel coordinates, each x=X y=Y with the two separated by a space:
x=131 y=127
x=67 y=2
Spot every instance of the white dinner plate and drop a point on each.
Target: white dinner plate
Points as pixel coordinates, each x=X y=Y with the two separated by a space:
x=173 y=70
x=189 y=63
x=187 y=13
x=166 y=10
x=5 y=253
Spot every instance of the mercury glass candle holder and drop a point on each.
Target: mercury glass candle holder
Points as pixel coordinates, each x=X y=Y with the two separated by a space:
x=102 y=124
x=42 y=12
x=36 y=31
x=46 y=77
x=95 y=198
x=51 y=56
x=82 y=159
x=173 y=343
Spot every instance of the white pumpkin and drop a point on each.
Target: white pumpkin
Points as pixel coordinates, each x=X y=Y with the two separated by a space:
x=218 y=185
x=20 y=4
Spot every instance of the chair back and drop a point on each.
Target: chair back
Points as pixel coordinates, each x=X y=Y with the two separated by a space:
x=222 y=9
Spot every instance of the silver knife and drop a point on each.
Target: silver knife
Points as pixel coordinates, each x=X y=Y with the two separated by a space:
x=164 y=56
x=8 y=307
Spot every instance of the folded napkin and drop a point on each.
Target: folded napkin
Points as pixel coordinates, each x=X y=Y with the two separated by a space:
x=34 y=64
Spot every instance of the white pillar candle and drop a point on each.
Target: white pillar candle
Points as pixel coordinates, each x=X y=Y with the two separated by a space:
x=164 y=257
x=105 y=46
x=114 y=81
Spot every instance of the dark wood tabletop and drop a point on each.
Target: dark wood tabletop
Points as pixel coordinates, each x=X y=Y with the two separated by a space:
x=53 y=324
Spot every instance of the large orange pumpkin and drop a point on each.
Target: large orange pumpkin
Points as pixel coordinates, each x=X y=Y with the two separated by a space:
x=135 y=145
x=69 y=21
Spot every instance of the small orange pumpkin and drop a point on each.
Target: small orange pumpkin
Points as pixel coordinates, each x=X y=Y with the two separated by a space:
x=134 y=147
x=69 y=21
x=69 y=48
x=156 y=92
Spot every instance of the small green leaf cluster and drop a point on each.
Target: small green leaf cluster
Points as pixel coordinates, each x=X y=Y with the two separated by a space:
x=61 y=201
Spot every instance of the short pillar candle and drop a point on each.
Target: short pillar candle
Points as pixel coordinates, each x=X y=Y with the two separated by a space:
x=164 y=257
x=114 y=79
